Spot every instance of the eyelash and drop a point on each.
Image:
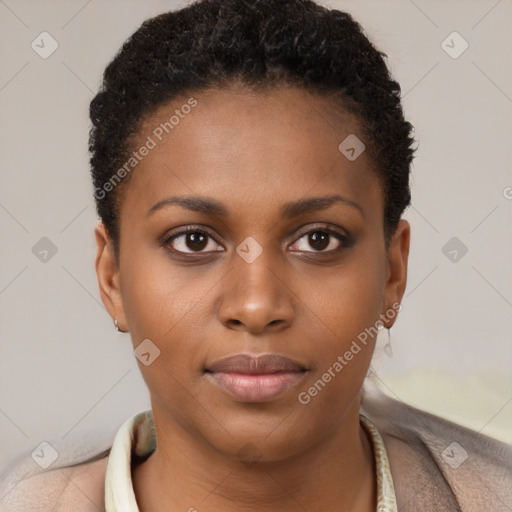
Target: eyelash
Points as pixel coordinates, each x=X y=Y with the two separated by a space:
x=345 y=240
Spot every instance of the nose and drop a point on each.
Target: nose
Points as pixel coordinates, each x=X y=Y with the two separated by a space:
x=255 y=297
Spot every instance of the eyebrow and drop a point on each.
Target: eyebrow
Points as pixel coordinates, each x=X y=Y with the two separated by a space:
x=288 y=210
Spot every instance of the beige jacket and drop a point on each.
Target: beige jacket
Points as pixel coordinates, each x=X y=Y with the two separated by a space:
x=437 y=466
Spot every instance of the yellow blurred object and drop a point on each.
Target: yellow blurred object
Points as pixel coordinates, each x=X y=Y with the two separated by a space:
x=481 y=401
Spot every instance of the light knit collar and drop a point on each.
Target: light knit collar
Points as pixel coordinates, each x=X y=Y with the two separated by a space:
x=137 y=437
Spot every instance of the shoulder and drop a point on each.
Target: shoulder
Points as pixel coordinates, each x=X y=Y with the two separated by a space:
x=78 y=487
x=433 y=459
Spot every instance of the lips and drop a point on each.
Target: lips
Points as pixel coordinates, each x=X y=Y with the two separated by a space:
x=249 y=378
x=254 y=365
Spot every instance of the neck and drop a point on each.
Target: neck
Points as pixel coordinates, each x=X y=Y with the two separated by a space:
x=184 y=473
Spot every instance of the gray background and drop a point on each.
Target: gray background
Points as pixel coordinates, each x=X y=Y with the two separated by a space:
x=63 y=369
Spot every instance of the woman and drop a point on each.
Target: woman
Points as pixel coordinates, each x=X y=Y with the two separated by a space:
x=251 y=166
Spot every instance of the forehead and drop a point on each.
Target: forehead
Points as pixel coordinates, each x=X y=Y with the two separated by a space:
x=250 y=148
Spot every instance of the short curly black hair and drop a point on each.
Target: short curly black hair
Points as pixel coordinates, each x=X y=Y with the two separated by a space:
x=261 y=44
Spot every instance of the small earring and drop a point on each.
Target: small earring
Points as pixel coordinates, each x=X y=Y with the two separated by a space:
x=116 y=326
x=387 y=347
x=385 y=340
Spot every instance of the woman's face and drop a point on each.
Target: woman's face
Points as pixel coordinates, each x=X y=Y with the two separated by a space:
x=258 y=179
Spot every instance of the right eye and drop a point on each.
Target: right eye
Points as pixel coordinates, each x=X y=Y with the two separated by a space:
x=191 y=240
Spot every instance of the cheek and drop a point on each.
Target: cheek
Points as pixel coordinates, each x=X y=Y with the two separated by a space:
x=171 y=306
x=163 y=305
x=345 y=310
x=347 y=299
x=158 y=297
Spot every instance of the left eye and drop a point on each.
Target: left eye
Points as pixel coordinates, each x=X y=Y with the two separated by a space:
x=322 y=240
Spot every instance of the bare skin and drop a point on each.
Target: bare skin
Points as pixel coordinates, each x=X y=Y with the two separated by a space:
x=301 y=298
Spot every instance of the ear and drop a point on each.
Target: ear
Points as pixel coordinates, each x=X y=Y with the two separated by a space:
x=398 y=256
x=108 y=276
